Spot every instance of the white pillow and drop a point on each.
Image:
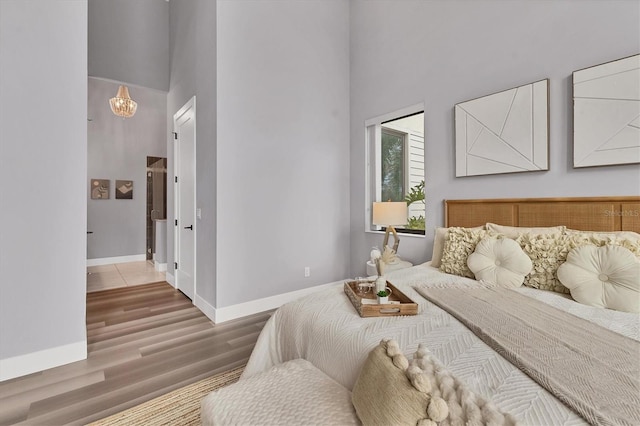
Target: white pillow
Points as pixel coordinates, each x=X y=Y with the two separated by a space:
x=607 y=277
x=500 y=262
x=439 y=237
x=515 y=231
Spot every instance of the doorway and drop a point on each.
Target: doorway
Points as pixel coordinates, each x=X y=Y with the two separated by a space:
x=157 y=210
x=184 y=124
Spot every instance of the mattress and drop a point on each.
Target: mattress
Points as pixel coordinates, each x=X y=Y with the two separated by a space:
x=325 y=329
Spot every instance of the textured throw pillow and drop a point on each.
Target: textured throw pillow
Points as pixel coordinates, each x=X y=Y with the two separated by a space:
x=499 y=262
x=439 y=237
x=615 y=235
x=390 y=390
x=459 y=244
x=384 y=395
x=607 y=277
x=600 y=239
x=547 y=252
x=514 y=232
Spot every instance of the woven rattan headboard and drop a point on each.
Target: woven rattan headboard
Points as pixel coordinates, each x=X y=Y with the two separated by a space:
x=585 y=214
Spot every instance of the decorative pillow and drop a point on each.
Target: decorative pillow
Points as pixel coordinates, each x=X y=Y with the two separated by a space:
x=547 y=252
x=393 y=391
x=499 y=262
x=514 y=232
x=464 y=407
x=439 y=237
x=383 y=395
x=599 y=239
x=459 y=244
x=615 y=235
x=607 y=277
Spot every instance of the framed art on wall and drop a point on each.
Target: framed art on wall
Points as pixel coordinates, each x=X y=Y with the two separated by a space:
x=124 y=190
x=100 y=189
x=606 y=114
x=506 y=132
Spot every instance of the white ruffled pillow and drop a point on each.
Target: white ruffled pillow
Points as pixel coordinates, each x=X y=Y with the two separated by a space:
x=500 y=262
x=607 y=236
x=439 y=237
x=606 y=277
x=547 y=252
x=459 y=244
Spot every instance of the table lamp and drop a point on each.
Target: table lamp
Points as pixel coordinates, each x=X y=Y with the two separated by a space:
x=389 y=214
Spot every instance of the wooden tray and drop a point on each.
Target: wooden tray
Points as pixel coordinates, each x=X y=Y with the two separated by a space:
x=405 y=307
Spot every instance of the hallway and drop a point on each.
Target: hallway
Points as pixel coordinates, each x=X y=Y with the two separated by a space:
x=106 y=277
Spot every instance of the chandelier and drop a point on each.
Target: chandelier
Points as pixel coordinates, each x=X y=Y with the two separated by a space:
x=122 y=105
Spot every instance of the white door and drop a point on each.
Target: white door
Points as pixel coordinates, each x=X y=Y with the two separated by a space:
x=184 y=124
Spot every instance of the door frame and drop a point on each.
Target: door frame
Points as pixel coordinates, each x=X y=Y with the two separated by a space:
x=191 y=104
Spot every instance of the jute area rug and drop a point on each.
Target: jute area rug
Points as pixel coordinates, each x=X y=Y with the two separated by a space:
x=180 y=407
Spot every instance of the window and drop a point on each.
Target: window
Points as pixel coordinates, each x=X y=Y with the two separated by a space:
x=395 y=165
x=392 y=158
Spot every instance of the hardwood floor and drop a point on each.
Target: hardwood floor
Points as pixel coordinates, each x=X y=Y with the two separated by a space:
x=143 y=342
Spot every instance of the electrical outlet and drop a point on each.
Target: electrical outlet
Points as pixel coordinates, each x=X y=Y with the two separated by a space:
x=307 y=271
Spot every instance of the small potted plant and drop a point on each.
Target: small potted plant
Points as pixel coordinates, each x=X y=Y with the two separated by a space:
x=383 y=297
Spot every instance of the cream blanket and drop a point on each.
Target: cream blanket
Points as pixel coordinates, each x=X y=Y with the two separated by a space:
x=591 y=369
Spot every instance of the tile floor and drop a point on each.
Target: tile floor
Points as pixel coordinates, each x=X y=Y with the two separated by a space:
x=105 y=277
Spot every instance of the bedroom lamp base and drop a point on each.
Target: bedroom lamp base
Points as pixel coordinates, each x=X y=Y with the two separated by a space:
x=396 y=242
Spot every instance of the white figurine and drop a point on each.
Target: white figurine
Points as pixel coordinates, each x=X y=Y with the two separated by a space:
x=375 y=254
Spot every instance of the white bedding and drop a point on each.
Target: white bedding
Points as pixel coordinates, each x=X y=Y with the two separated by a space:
x=325 y=329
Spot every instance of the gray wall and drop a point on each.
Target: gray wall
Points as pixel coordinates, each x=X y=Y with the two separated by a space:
x=129 y=41
x=283 y=150
x=263 y=67
x=460 y=50
x=193 y=72
x=43 y=174
x=118 y=149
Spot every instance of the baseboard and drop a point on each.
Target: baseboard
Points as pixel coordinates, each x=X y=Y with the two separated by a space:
x=228 y=313
x=205 y=308
x=170 y=279
x=117 y=259
x=160 y=267
x=33 y=362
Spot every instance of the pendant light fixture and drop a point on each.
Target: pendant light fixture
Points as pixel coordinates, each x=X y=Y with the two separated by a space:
x=122 y=105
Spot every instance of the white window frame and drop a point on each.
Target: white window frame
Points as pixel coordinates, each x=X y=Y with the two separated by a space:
x=373 y=167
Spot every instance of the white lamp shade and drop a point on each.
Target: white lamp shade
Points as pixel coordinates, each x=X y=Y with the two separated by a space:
x=390 y=213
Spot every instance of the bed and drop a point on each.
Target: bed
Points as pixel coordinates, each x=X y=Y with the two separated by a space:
x=324 y=328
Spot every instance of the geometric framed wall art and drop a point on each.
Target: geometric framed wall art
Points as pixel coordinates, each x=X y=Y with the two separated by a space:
x=100 y=189
x=124 y=190
x=606 y=114
x=505 y=132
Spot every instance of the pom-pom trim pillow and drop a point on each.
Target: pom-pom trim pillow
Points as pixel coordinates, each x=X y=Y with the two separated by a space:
x=384 y=395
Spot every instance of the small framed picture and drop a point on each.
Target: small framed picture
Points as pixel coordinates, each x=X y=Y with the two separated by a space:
x=100 y=189
x=124 y=190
